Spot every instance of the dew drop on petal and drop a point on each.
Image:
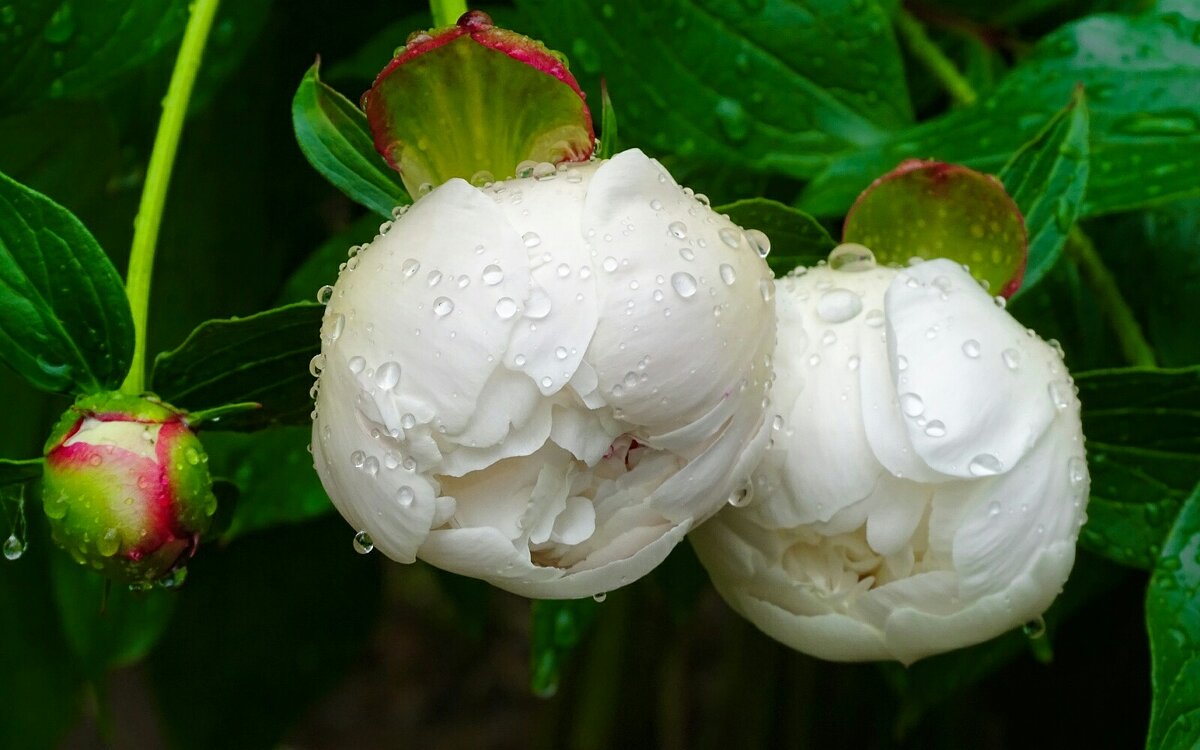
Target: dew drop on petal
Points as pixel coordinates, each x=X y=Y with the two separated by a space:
x=357 y=365
x=985 y=465
x=912 y=405
x=324 y=294
x=410 y=267
x=405 y=496
x=1012 y=358
x=531 y=239
x=1077 y=472
x=677 y=229
x=609 y=264
x=838 y=305
x=506 y=308
x=686 y=253
x=492 y=274
x=970 y=348
x=730 y=237
x=935 y=428
x=728 y=275
x=443 y=306
x=759 y=241
x=362 y=543
x=387 y=375
x=683 y=283
x=851 y=257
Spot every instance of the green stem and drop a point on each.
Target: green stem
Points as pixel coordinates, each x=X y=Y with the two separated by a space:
x=1108 y=296
x=446 y=12
x=935 y=61
x=158 y=179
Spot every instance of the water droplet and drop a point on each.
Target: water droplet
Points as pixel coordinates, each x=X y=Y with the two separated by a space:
x=874 y=318
x=730 y=237
x=1077 y=472
x=728 y=275
x=434 y=278
x=609 y=264
x=935 y=428
x=356 y=365
x=993 y=509
x=108 y=544
x=316 y=365
x=531 y=239
x=851 y=257
x=443 y=306
x=600 y=597
x=838 y=305
x=1060 y=394
x=759 y=241
x=324 y=294
x=686 y=253
x=362 y=543
x=410 y=267
x=492 y=274
x=683 y=283
x=985 y=465
x=677 y=229
x=656 y=205
x=506 y=308
x=405 y=496
x=1011 y=357
x=14 y=547
x=766 y=288
x=387 y=375
x=1034 y=628
x=740 y=498
x=912 y=404
x=970 y=348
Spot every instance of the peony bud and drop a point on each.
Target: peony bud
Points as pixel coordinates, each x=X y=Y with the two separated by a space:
x=547 y=382
x=927 y=478
x=126 y=486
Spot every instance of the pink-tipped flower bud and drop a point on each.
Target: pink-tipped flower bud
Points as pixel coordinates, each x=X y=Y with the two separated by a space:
x=126 y=486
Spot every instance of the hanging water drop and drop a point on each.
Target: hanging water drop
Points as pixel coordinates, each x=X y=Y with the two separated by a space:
x=683 y=283
x=362 y=543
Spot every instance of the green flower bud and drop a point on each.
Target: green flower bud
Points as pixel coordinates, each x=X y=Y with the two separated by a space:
x=126 y=486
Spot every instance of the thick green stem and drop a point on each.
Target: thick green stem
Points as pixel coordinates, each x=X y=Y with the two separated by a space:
x=446 y=12
x=935 y=61
x=158 y=179
x=1108 y=296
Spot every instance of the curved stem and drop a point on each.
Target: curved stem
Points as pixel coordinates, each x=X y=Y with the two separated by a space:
x=158 y=179
x=935 y=61
x=1108 y=295
x=446 y=12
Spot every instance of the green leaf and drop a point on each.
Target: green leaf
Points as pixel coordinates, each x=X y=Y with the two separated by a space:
x=106 y=629
x=935 y=210
x=773 y=85
x=64 y=319
x=558 y=626
x=1141 y=74
x=1047 y=178
x=274 y=473
x=1173 y=621
x=797 y=239
x=262 y=357
x=1143 y=430
x=608 y=125
x=476 y=102
x=334 y=137
x=19 y=471
x=43 y=695
x=302 y=603
x=57 y=48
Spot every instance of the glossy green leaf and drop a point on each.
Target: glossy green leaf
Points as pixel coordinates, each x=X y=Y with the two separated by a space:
x=262 y=357
x=274 y=474
x=937 y=210
x=107 y=629
x=264 y=627
x=774 y=85
x=334 y=137
x=558 y=626
x=57 y=48
x=64 y=319
x=476 y=102
x=1140 y=73
x=608 y=125
x=797 y=239
x=1143 y=430
x=1047 y=178
x=1173 y=621
x=19 y=471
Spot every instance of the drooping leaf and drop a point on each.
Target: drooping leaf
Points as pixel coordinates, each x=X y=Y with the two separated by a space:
x=265 y=626
x=558 y=626
x=67 y=48
x=476 y=102
x=106 y=629
x=262 y=357
x=335 y=138
x=936 y=210
x=65 y=323
x=775 y=85
x=1143 y=430
x=274 y=474
x=797 y=239
x=1173 y=621
x=1047 y=179
x=13 y=471
x=1140 y=74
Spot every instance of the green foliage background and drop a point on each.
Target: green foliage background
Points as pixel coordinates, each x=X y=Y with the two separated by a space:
x=283 y=634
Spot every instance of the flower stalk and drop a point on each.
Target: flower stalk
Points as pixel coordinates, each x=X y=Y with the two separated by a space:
x=446 y=12
x=158 y=179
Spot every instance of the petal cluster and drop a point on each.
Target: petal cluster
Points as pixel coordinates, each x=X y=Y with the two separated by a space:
x=545 y=382
x=926 y=478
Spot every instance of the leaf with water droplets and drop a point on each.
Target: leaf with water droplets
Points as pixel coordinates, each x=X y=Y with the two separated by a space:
x=1173 y=621
x=260 y=358
x=1047 y=179
x=65 y=323
x=1140 y=73
x=334 y=137
x=1143 y=429
x=432 y=120
x=797 y=239
x=925 y=209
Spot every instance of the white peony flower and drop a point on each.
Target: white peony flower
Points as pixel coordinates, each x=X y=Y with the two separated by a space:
x=546 y=382
x=926 y=478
